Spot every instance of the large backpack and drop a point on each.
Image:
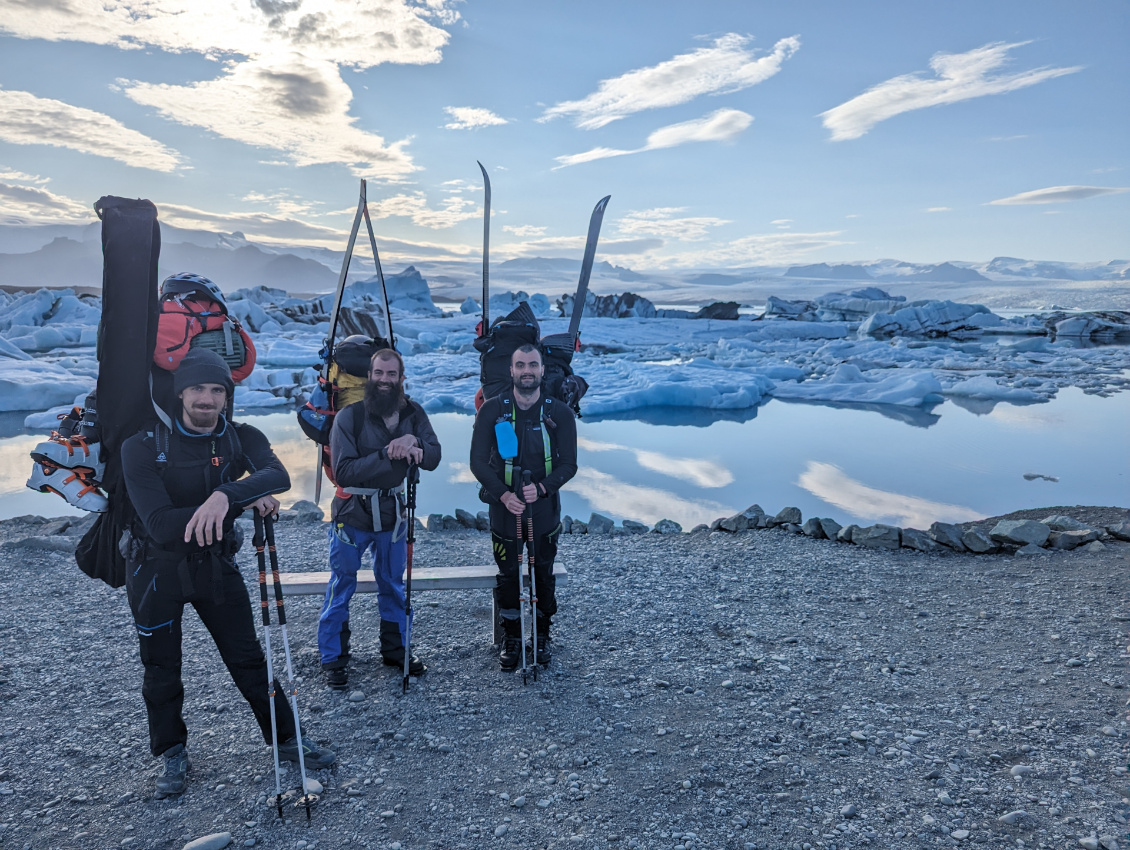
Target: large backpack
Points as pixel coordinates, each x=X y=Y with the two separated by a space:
x=559 y=380
x=191 y=321
x=343 y=385
x=505 y=336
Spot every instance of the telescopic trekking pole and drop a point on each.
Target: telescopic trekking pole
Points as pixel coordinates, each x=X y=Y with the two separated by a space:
x=269 y=525
x=410 y=504
x=529 y=514
x=258 y=541
x=520 y=479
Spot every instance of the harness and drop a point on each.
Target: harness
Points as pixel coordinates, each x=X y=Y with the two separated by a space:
x=370 y=496
x=545 y=421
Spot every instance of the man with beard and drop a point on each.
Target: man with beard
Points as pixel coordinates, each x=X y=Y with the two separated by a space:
x=188 y=483
x=371 y=445
x=547 y=448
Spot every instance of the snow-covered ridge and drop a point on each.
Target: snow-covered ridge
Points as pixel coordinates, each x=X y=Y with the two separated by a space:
x=859 y=347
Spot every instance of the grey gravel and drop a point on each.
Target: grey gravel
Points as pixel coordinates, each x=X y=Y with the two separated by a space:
x=757 y=653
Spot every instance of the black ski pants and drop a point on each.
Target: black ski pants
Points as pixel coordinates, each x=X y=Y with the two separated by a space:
x=510 y=559
x=157 y=596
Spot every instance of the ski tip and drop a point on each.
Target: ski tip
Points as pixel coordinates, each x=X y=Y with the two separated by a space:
x=603 y=202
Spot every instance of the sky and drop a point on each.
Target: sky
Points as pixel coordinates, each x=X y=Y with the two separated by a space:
x=728 y=134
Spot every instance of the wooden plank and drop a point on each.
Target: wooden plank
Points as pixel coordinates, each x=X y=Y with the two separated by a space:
x=423 y=579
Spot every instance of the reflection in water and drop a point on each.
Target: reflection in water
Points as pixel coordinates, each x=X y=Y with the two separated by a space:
x=644 y=504
x=461 y=473
x=919 y=417
x=696 y=417
x=829 y=483
x=698 y=471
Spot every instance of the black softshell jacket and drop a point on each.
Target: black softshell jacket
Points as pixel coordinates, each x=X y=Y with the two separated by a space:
x=362 y=461
x=236 y=459
x=489 y=468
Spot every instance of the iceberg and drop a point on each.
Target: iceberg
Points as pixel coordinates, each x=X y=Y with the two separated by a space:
x=850 y=384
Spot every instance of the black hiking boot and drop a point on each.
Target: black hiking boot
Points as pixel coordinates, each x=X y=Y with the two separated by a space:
x=175 y=779
x=337 y=679
x=545 y=649
x=313 y=756
x=511 y=653
x=392 y=650
x=396 y=659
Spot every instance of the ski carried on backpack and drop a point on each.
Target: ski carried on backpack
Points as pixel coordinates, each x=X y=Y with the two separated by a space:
x=485 y=325
x=558 y=349
x=316 y=418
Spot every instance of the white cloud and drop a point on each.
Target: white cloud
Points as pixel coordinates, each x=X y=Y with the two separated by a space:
x=938 y=209
x=662 y=222
x=523 y=231
x=281 y=86
x=573 y=246
x=23 y=177
x=1059 y=194
x=958 y=76
x=415 y=206
x=722 y=125
x=36 y=204
x=293 y=104
x=31 y=120
x=831 y=484
x=471 y=118
x=771 y=248
x=726 y=66
x=782 y=222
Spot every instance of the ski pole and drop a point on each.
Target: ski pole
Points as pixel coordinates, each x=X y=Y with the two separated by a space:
x=529 y=513
x=410 y=500
x=517 y=473
x=269 y=525
x=258 y=541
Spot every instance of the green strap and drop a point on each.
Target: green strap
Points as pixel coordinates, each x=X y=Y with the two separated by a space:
x=509 y=473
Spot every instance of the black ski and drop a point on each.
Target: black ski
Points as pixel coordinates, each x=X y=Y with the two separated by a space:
x=486 y=251
x=586 y=265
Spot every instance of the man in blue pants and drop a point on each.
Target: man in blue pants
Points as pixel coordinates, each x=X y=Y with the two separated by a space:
x=371 y=445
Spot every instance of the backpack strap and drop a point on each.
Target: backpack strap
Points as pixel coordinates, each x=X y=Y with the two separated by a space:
x=161 y=437
x=508 y=472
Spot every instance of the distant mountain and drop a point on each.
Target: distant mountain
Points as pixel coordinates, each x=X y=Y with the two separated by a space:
x=823 y=271
x=1051 y=270
x=900 y=272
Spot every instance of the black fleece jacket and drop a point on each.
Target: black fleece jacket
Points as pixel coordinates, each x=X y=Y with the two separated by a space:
x=197 y=465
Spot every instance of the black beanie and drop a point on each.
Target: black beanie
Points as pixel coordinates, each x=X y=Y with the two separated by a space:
x=202 y=366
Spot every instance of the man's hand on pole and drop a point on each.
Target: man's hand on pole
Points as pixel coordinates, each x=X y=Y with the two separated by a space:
x=513 y=503
x=266 y=506
x=405 y=448
x=207 y=524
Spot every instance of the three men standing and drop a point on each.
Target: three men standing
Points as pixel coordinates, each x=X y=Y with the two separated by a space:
x=547 y=448
x=372 y=445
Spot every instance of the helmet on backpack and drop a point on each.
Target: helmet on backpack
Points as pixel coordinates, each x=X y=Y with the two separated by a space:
x=187 y=283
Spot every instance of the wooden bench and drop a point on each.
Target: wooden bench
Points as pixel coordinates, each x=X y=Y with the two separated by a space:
x=478 y=577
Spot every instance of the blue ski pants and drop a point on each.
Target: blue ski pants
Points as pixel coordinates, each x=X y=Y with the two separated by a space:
x=347 y=546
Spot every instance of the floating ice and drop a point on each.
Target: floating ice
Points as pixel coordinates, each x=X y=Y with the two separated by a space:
x=849 y=384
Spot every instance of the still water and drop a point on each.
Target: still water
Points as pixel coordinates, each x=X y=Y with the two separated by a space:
x=855 y=465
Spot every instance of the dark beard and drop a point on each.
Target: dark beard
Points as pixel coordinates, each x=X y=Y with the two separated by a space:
x=380 y=404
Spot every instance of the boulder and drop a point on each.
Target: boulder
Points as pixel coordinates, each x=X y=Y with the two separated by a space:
x=734 y=524
x=435 y=522
x=566 y=524
x=1058 y=522
x=215 y=841
x=450 y=523
x=667 y=526
x=948 y=535
x=633 y=527
x=1020 y=532
x=830 y=527
x=754 y=515
x=1072 y=539
x=1030 y=549
x=716 y=525
x=600 y=524
x=1119 y=531
x=579 y=527
x=466 y=518
x=792 y=515
x=1094 y=547
x=912 y=538
x=791 y=527
x=877 y=536
x=482 y=521
x=812 y=528
x=847 y=533
x=702 y=526
x=978 y=542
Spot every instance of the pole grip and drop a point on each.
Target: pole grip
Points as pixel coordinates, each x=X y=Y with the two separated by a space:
x=257 y=542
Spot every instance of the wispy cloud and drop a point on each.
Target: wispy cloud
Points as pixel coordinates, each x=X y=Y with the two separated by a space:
x=938 y=209
x=665 y=223
x=728 y=65
x=471 y=118
x=773 y=248
x=831 y=484
x=524 y=231
x=574 y=246
x=415 y=206
x=23 y=203
x=957 y=77
x=31 y=120
x=281 y=86
x=291 y=103
x=722 y=125
x=1059 y=195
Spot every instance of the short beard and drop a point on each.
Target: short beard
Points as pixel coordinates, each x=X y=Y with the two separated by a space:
x=380 y=404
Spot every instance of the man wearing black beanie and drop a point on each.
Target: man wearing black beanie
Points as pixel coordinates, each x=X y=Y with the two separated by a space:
x=188 y=483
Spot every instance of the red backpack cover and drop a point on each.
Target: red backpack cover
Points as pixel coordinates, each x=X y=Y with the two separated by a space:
x=181 y=319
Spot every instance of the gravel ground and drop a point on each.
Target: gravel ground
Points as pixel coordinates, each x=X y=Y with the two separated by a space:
x=707 y=691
